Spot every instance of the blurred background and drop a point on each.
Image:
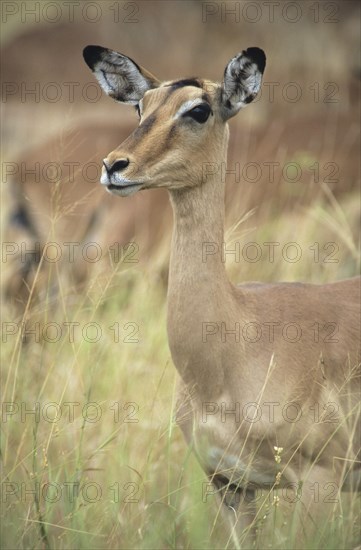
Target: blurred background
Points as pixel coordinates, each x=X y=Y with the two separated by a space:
x=294 y=175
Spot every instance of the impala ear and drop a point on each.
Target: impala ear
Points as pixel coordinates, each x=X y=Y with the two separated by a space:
x=242 y=81
x=118 y=75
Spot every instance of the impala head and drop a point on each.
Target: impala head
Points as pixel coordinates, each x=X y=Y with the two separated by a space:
x=183 y=123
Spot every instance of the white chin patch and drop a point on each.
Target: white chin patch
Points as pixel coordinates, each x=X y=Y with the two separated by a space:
x=123 y=191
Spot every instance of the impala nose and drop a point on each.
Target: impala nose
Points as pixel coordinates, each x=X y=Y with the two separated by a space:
x=117 y=166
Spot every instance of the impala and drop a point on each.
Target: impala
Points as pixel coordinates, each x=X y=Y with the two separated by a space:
x=261 y=408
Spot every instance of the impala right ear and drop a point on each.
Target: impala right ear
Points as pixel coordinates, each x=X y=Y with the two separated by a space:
x=242 y=81
x=118 y=75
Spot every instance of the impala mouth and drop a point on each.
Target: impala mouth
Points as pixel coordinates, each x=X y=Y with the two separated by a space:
x=124 y=189
x=119 y=185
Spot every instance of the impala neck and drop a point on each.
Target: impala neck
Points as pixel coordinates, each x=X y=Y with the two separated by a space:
x=198 y=234
x=199 y=290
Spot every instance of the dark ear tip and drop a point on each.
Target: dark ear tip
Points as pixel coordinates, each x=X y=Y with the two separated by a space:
x=257 y=56
x=92 y=54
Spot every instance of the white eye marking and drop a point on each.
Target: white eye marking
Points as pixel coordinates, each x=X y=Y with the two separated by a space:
x=187 y=106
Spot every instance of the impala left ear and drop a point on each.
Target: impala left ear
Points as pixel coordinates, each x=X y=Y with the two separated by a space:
x=118 y=75
x=242 y=81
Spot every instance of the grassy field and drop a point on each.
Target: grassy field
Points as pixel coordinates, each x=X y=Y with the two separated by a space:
x=101 y=464
x=91 y=455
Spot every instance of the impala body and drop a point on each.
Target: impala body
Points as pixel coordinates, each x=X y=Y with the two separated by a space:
x=269 y=373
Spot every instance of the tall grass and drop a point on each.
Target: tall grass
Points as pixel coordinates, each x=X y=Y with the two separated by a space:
x=102 y=463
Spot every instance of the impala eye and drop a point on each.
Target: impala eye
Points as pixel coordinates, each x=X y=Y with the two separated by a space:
x=137 y=108
x=200 y=113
